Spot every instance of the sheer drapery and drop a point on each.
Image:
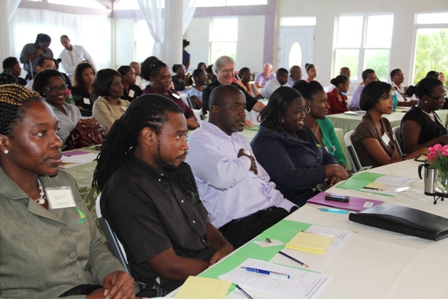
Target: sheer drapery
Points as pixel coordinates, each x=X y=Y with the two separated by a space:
x=7 y=11
x=189 y=9
x=91 y=32
x=152 y=11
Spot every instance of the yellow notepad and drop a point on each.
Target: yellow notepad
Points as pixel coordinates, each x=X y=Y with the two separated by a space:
x=309 y=242
x=203 y=288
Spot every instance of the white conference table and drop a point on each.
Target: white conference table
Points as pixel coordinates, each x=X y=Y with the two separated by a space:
x=378 y=263
x=382 y=264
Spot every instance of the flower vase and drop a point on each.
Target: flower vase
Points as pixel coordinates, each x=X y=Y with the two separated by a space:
x=441 y=183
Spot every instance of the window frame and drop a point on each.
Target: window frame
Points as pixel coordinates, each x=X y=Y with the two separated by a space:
x=212 y=41
x=362 y=48
x=415 y=37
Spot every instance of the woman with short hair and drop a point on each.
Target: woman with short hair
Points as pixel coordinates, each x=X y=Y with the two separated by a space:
x=109 y=106
x=317 y=120
x=51 y=85
x=300 y=160
x=373 y=139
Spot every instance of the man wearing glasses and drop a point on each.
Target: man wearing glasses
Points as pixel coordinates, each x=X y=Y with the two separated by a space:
x=224 y=68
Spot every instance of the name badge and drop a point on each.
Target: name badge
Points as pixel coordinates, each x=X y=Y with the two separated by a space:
x=131 y=93
x=60 y=197
x=86 y=101
x=385 y=138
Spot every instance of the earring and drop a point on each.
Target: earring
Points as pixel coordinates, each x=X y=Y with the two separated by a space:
x=6 y=152
x=307 y=109
x=282 y=120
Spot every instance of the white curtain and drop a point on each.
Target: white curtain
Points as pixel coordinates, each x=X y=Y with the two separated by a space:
x=91 y=32
x=7 y=10
x=189 y=9
x=152 y=11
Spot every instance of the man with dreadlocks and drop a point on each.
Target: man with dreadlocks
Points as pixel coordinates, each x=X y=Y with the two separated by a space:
x=236 y=190
x=150 y=198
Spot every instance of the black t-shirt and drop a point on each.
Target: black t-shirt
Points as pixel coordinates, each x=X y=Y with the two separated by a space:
x=84 y=100
x=134 y=92
x=250 y=101
x=429 y=128
x=150 y=213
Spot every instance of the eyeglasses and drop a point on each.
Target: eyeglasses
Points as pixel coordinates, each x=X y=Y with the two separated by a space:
x=438 y=99
x=56 y=88
x=227 y=71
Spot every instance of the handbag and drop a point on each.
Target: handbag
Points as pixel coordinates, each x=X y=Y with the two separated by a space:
x=86 y=136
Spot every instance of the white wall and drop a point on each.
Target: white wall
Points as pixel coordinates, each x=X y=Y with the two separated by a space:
x=250 y=42
x=402 y=50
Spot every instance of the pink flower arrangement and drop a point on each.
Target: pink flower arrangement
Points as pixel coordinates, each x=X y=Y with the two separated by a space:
x=438 y=159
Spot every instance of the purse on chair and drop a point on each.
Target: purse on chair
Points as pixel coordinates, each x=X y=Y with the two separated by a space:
x=86 y=136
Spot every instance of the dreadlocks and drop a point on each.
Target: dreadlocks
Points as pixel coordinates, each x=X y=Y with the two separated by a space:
x=146 y=111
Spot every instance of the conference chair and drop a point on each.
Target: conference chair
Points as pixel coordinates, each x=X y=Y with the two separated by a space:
x=397 y=139
x=118 y=251
x=356 y=165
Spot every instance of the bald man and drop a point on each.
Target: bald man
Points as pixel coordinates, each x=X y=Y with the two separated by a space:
x=262 y=78
x=138 y=70
x=235 y=189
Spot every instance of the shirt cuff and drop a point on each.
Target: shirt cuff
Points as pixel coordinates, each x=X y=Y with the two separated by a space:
x=246 y=161
x=287 y=205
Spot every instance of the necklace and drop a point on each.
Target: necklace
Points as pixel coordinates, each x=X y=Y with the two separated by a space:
x=41 y=199
x=427 y=113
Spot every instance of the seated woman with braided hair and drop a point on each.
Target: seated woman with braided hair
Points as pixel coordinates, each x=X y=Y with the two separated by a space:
x=149 y=195
x=48 y=248
x=157 y=72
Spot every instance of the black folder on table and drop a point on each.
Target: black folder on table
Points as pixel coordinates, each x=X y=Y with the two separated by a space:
x=404 y=220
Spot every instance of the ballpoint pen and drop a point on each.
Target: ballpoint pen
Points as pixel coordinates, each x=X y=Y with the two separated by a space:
x=267 y=272
x=294 y=259
x=244 y=292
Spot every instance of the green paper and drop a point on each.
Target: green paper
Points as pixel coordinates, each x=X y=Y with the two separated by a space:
x=360 y=180
x=283 y=231
x=255 y=128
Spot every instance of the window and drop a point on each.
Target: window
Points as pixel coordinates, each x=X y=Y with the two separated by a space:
x=363 y=42
x=223 y=37
x=143 y=41
x=431 y=44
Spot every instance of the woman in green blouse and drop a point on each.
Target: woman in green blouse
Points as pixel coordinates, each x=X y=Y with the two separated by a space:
x=316 y=119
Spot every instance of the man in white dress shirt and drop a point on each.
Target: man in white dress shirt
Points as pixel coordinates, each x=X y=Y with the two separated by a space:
x=72 y=55
x=235 y=189
x=281 y=79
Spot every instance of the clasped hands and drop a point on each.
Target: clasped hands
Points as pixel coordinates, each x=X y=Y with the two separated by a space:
x=117 y=285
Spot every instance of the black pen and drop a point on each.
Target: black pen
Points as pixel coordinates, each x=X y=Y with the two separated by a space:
x=244 y=292
x=294 y=259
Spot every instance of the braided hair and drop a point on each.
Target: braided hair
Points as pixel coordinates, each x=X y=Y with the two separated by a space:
x=14 y=99
x=150 y=67
x=146 y=111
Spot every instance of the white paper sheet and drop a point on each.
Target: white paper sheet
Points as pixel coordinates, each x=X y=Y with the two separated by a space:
x=302 y=284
